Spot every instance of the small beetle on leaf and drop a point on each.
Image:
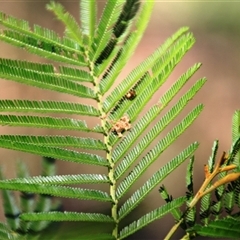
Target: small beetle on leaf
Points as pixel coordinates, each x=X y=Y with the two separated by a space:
x=131 y=94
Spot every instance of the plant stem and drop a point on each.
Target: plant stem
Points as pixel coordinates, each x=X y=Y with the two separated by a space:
x=173 y=229
x=204 y=190
x=111 y=167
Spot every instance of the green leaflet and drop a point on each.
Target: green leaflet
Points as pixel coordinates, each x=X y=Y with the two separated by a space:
x=88 y=18
x=5 y=233
x=41 y=48
x=46 y=122
x=66 y=216
x=75 y=74
x=47 y=107
x=54 y=152
x=49 y=70
x=61 y=179
x=176 y=213
x=11 y=209
x=154 y=111
x=158 y=149
x=46 y=81
x=73 y=30
x=58 y=191
x=57 y=141
x=39 y=33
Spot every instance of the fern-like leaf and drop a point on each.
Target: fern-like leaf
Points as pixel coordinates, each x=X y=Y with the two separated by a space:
x=87 y=60
x=103 y=34
x=42 y=34
x=154 y=111
x=6 y=233
x=235 y=125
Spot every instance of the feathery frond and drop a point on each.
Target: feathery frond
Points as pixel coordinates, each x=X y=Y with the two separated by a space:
x=85 y=63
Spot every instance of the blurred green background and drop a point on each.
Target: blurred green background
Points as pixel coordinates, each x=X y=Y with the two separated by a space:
x=216 y=26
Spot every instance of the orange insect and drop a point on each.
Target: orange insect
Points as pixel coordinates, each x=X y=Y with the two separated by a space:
x=131 y=94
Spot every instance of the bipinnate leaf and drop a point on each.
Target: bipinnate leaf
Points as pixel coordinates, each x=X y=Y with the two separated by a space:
x=41 y=39
x=85 y=64
x=104 y=31
x=155 y=152
x=235 y=125
x=176 y=213
x=42 y=48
